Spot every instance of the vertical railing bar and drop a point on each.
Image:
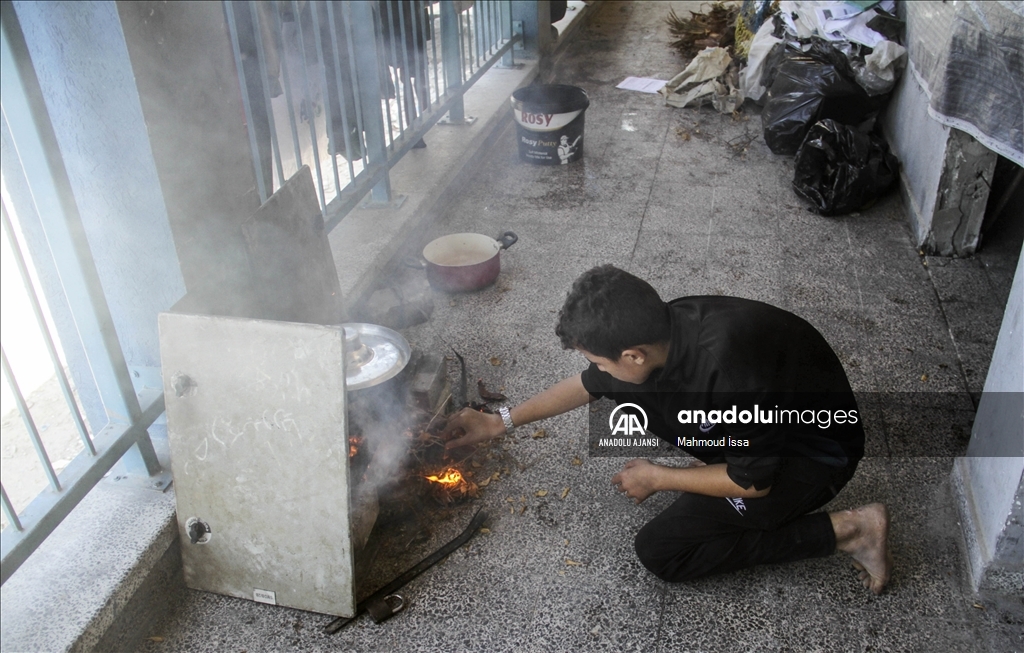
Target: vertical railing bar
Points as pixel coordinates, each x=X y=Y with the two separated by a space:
x=481 y=34
x=341 y=90
x=463 y=47
x=406 y=71
x=12 y=515
x=384 y=95
x=360 y=124
x=265 y=78
x=382 y=49
x=479 y=41
x=491 y=38
x=417 y=19
x=30 y=425
x=397 y=78
x=331 y=140
x=229 y=13
x=309 y=104
x=495 y=24
x=44 y=330
x=286 y=78
x=511 y=33
x=432 y=55
x=478 y=28
x=444 y=63
x=435 y=35
x=471 y=41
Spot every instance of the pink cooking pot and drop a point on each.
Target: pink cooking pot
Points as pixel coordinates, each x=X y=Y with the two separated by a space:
x=461 y=262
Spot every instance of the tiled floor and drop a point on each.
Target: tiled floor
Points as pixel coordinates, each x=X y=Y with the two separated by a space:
x=661 y=192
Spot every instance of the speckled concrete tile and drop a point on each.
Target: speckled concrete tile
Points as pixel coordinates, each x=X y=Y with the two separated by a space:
x=708 y=622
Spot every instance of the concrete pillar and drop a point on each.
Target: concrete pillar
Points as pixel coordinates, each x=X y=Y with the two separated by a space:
x=945 y=174
x=184 y=69
x=989 y=481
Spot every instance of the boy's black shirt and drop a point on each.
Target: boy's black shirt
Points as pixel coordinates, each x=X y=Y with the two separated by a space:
x=728 y=351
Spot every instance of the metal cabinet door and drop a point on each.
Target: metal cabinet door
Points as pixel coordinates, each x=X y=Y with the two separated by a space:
x=259 y=452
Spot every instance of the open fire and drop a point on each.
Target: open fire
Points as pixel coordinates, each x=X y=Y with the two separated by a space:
x=354 y=442
x=450 y=477
x=450 y=485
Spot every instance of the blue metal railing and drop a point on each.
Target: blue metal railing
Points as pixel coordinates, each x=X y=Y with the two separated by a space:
x=367 y=77
x=24 y=115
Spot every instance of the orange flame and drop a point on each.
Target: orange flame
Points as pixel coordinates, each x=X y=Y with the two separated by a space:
x=450 y=476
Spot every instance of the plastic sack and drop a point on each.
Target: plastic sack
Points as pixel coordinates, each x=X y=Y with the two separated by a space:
x=882 y=68
x=757 y=58
x=839 y=170
x=805 y=90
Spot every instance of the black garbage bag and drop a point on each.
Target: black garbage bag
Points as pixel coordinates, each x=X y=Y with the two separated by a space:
x=808 y=87
x=839 y=170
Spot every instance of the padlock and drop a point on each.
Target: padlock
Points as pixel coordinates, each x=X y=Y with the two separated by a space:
x=383 y=609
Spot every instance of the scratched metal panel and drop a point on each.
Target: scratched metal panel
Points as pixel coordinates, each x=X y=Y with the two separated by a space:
x=259 y=452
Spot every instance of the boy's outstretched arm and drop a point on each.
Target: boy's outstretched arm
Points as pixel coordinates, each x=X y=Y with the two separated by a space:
x=478 y=427
x=640 y=479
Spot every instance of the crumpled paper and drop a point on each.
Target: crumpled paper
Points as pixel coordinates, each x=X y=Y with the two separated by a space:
x=706 y=79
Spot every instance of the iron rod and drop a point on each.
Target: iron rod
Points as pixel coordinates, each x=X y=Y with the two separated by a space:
x=30 y=425
x=420 y=71
x=433 y=47
x=12 y=514
x=229 y=13
x=386 y=78
x=37 y=311
x=286 y=79
x=397 y=77
x=341 y=90
x=406 y=71
x=261 y=57
x=332 y=141
x=308 y=100
x=346 y=22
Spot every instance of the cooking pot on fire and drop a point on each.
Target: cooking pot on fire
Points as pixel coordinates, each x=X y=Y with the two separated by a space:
x=462 y=262
x=373 y=355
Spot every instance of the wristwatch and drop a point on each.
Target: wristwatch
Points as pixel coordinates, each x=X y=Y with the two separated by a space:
x=506 y=417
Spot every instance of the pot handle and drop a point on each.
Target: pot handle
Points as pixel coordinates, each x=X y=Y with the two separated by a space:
x=417 y=262
x=507 y=239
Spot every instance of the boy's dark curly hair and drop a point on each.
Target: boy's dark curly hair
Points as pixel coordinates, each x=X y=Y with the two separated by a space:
x=608 y=310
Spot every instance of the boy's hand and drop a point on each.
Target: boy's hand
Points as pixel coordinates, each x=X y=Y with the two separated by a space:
x=638 y=479
x=473 y=426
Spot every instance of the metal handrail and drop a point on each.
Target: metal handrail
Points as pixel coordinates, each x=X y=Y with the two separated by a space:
x=24 y=114
x=369 y=110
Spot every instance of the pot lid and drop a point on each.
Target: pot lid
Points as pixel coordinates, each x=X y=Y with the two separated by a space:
x=373 y=354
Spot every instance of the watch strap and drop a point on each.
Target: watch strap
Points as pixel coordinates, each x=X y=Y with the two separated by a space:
x=506 y=417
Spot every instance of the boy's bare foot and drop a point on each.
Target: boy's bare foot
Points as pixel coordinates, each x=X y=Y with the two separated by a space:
x=864 y=534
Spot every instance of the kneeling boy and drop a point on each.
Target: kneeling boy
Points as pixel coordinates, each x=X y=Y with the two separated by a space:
x=751 y=498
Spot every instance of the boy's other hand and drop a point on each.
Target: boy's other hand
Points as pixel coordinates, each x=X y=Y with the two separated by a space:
x=470 y=426
x=638 y=479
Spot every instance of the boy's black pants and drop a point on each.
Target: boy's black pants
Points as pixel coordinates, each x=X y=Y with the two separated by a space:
x=700 y=535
